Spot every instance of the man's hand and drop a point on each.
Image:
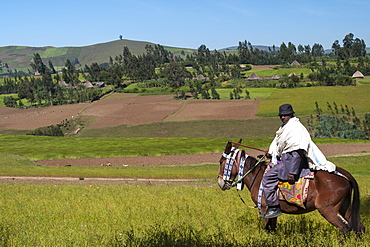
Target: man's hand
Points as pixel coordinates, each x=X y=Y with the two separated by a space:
x=291 y=179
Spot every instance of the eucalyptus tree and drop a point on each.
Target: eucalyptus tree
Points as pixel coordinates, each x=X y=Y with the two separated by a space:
x=51 y=66
x=317 y=50
x=352 y=47
x=70 y=74
x=300 y=48
x=37 y=64
x=358 y=48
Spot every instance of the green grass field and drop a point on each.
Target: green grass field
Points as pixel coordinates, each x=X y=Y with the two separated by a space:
x=280 y=72
x=41 y=147
x=161 y=215
x=303 y=99
x=253 y=128
x=364 y=81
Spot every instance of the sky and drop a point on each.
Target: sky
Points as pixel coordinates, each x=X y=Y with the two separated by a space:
x=187 y=24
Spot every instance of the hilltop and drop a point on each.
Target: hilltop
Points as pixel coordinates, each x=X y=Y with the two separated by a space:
x=20 y=57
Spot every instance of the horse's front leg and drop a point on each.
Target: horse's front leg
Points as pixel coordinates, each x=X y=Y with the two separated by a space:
x=270 y=224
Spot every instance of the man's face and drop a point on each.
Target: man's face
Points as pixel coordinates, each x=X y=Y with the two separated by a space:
x=285 y=118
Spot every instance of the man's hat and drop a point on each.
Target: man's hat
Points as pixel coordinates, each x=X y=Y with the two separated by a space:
x=286 y=109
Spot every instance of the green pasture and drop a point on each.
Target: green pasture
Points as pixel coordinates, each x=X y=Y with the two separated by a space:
x=42 y=147
x=161 y=215
x=280 y=72
x=39 y=147
x=254 y=93
x=54 y=52
x=303 y=100
x=364 y=81
x=229 y=128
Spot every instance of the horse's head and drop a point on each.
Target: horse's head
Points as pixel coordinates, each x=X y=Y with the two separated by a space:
x=225 y=182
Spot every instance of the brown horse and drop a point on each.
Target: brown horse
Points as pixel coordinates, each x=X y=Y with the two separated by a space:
x=329 y=193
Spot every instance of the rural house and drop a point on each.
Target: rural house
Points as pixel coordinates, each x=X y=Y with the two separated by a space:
x=254 y=76
x=358 y=74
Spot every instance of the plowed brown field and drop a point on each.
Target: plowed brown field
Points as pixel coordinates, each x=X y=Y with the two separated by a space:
x=118 y=109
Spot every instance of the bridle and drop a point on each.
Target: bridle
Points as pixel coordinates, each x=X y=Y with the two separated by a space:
x=235 y=156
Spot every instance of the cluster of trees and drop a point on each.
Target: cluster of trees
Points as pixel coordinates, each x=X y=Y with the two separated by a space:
x=352 y=47
x=52 y=130
x=342 y=123
x=45 y=89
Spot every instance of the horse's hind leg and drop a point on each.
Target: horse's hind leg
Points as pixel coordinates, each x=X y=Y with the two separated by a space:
x=332 y=215
x=346 y=211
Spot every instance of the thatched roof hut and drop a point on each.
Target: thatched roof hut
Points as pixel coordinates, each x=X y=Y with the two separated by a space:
x=358 y=74
x=87 y=84
x=254 y=76
x=295 y=62
x=63 y=84
x=276 y=77
x=291 y=74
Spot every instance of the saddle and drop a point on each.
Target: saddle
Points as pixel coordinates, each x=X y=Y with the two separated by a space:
x=292 y=193
x=295 y=193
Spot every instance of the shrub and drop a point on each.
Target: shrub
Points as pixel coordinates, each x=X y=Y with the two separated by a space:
x=10 y=101
x=51 y=130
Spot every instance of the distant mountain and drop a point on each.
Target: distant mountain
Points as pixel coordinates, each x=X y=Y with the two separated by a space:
x=20 y=57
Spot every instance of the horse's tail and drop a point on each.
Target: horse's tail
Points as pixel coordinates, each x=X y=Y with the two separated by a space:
x=354 y=222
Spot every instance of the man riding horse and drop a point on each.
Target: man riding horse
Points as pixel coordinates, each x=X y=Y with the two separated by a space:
x=293 y=154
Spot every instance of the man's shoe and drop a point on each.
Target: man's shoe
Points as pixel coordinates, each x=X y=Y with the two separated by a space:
x=272 y=213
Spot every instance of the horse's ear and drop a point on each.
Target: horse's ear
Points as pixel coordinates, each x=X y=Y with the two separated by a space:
x=228 y=147
x=240 y=141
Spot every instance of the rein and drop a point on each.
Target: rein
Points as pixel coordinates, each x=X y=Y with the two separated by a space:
x=262 y=150
x=249 y=171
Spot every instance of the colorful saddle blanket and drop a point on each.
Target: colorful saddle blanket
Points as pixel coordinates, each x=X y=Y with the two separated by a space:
x=295 y=193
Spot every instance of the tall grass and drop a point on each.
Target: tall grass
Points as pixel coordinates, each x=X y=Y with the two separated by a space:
x=49 y=215
x=131 y=215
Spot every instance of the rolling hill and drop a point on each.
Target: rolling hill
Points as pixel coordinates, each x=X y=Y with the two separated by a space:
x=20 y=57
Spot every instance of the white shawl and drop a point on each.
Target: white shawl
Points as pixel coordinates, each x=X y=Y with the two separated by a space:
x=293 y=136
